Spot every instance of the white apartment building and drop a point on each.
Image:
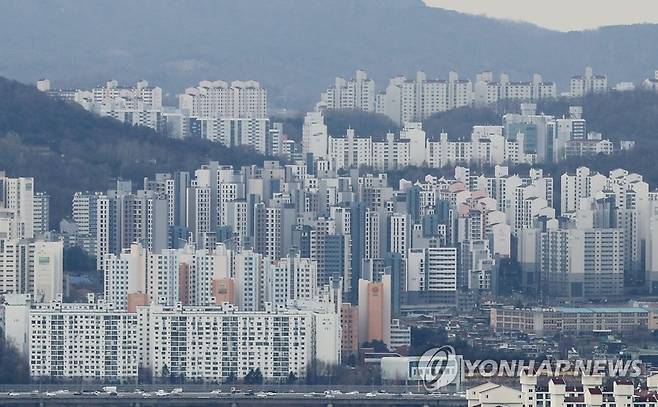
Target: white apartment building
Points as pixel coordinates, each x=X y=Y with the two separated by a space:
x=123 y=218
x=139 y=95
x=585 y=263
x=399 y=233
x=314 y=136
x=32 y=267
x=581 y=85
x=291 y=279
x=48 y=270
x=138 y=276
x=219 y=99
x=232 y=131
x=582 y=184
x=432 y=269
x=97 y=341
x=41 y=205
x=407 y=100
x=213 y=343
x=414 y=100
x=84 y=215
x=67 y=340
x=17 y=196
x=350 y=151
x=486 y=91
x=352 y=94
x=522 y=139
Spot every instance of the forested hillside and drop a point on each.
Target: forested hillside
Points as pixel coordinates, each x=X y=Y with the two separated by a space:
x=617 y=115
x=68 y=149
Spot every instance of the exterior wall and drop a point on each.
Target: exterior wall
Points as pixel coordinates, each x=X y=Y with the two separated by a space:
x=569 y=320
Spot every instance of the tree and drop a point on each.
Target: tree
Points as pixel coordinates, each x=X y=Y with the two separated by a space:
x=144 y=375
x=365 y=124
x=76 y=259
x=423 y=339
x=254 y=377
x=292 y=378
x=166 y=373
x=231 y=379
x=458 y=123
x=14 y=368
x=376 y=344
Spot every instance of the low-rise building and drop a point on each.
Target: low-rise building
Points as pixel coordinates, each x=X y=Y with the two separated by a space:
x=569 y=320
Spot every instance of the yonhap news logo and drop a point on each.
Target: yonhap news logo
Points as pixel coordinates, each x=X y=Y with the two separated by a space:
x=440 y=367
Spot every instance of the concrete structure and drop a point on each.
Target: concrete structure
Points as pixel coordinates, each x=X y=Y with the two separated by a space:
x=352 y=94
x=581 y=85
x=569 y=320
x=375 y=310
x=586 y=391
x=219 y=99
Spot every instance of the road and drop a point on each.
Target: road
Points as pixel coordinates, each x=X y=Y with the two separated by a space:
x=161 y=398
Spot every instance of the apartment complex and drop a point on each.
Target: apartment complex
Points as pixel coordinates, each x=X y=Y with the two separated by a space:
x=406 y=100
x=97 y=341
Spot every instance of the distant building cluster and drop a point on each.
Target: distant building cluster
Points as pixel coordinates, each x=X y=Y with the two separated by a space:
x=234 y=114
x=211 y=274
x=139 y=105
x=29 y=262
x=296 y=263
x=411 y=100
x=525 y=138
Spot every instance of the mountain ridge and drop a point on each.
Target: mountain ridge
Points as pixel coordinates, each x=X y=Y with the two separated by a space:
x=296 y=48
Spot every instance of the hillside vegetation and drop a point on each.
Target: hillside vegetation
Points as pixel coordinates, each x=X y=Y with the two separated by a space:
x=617 y=115
x=68 y=149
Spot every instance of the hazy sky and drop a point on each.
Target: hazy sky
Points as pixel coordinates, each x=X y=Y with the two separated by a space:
x=560 y=15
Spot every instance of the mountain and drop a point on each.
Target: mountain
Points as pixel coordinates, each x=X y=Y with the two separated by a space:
x=68 y=149
x=296 y=47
